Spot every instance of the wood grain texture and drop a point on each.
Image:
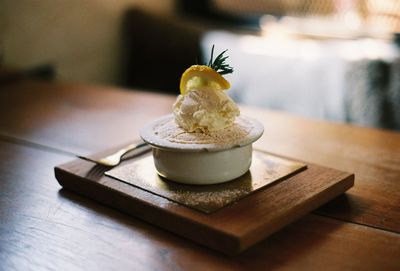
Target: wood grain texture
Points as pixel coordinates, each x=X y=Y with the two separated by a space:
x=229 y=230
x=43 y=227
x=77 y=118
x=372 y=155
x=85 y=119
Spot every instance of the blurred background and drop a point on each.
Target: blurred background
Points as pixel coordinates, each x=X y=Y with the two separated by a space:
x=328 y=59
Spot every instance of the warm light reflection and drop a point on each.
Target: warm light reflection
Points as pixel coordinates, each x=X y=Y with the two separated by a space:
x=352 y=20
x=283 y=39
x=345 y=20
x=280 y=46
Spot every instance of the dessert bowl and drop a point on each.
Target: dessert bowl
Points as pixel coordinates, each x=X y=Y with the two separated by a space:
x=201 y=158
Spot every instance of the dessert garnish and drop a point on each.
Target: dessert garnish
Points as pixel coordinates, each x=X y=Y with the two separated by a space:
x=219 y=64
x=203 y=106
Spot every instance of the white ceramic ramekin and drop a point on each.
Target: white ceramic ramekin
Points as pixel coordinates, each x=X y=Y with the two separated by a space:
x=201 y=164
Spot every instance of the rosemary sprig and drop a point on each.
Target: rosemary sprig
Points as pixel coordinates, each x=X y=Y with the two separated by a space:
x=219 y=64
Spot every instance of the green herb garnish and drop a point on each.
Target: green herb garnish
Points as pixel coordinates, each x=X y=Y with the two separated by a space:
x=219 y=64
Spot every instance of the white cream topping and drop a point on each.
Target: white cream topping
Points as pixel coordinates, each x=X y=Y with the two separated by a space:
x=205 y=110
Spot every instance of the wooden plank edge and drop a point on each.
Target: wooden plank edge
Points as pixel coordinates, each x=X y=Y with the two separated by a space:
x=210 y=237
x=253 y=236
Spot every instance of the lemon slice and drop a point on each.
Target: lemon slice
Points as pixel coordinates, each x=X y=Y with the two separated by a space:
x=202 y=76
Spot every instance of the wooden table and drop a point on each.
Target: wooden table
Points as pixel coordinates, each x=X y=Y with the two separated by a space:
x=45 y=227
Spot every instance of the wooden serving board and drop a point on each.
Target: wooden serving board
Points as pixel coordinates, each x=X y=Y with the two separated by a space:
x=231 y=229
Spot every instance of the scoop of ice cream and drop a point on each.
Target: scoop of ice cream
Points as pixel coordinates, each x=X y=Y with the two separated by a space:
x=205 y=109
